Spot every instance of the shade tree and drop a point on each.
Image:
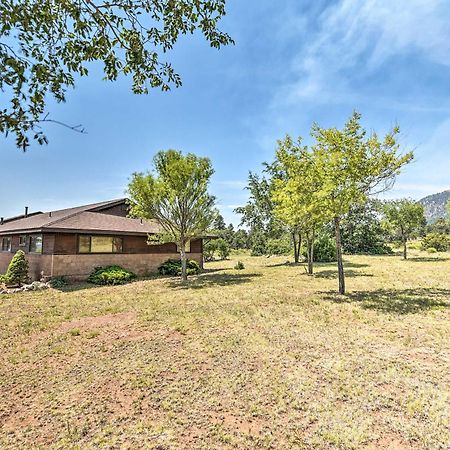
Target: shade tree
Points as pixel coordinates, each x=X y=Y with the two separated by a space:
x=175 y=194
x=351 y=165
x=404 y=217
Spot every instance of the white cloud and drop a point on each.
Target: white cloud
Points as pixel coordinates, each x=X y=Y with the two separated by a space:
x=355 y=36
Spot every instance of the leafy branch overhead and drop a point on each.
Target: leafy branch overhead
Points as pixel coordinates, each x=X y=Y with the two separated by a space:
x=45 y=44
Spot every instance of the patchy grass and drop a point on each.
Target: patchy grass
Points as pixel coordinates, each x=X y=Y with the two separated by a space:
x=262 y=358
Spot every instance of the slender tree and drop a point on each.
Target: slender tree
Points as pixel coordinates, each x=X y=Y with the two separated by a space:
x=351 y=165
x=46 y=44
x=294 y=193
x=176 y=195
x=405 y=217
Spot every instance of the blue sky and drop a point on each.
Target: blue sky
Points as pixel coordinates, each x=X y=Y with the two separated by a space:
x=294 y=62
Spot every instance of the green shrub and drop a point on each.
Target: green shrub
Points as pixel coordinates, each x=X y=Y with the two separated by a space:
x=58 y=282
x=414 y=245
x=209 y=249
x=17 y=272
x=258 y=244
x=173 y=267
x=239 y=266
x=324 y=249
x=281 y=246
x=439 y=241
x=431 y=250
x=110 y=275
x=223 y=248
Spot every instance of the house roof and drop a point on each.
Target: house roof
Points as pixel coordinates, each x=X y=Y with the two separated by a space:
x=87 y=218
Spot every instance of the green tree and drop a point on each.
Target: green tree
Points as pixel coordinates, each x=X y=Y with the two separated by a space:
x=219 y=223
x=405 y=217
x=240 y=240
x=258 y=214
x=209 y=249
x=351 y=165
x=223 y=248
x=176 y=195
x=46 y=44
x=362 y=230
x=17 y=272
x=294 y=193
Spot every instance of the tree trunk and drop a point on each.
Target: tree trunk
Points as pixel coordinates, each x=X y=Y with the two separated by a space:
x=294 y=238
x=183 y=260
x=299 y=247
x=337 y=229
x=310 y=252
x=404 y=247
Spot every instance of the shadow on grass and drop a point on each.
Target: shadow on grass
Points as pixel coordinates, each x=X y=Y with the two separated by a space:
x=428 y=259
x=407 y=301
x=207 y=279
x=76 y=286
x=331 y=274
x=319 y=264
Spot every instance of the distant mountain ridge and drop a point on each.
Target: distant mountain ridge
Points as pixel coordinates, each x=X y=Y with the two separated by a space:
x=435 y=205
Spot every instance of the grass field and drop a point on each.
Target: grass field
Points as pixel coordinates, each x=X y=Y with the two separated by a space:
x=263 y=358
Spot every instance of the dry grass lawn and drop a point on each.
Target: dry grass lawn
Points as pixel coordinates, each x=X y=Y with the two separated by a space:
x=263 y=358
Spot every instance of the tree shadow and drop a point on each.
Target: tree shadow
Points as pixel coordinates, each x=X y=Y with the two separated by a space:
x=206 y=279
x=319 y=264
x=331 y=274
x=75 y=286
x=211 y=270
x=354 y=265
x=406 y=301
x=288 y=264
x=428 y=259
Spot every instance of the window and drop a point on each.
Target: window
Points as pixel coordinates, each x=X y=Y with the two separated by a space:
x=100 y=244
x=84 y=244
x=187 y=247
x=36 y=244
x=22 y=241
x=6 y=244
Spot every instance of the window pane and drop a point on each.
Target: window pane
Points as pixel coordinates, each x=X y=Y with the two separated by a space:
x=22 y=241
x=36 y=244
x=6 y=244
x=117 y=245
x=84 y=244
x=101 y=244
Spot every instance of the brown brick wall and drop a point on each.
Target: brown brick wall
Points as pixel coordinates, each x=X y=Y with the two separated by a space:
x=36 y=264
x=78 y=267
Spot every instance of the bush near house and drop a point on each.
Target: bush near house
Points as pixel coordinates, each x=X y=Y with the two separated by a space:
x=173 y=267
x=111 y=275
x=17 y=272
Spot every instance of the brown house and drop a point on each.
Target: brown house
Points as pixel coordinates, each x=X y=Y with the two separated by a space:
x=72 y=242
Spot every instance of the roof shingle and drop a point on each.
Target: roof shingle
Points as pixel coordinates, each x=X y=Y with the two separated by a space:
x=81 y=219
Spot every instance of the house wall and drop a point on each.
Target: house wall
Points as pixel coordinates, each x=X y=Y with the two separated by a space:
x=118 y=210
x=67 y=244
x=60 y=258
x=36 y=264
x=78 y=267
